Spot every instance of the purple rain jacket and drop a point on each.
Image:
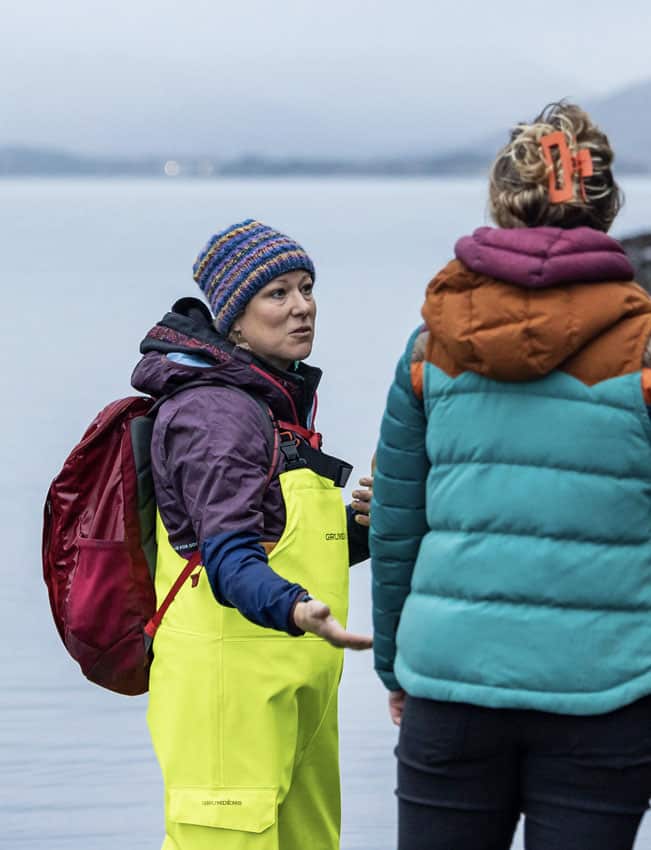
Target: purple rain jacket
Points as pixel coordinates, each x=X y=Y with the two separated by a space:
x=211 y=456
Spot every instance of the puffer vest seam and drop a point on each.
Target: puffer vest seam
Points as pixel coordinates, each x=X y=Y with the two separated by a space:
x=527 y=465
x=556 y=538
x=429 y=402
x=528 y=603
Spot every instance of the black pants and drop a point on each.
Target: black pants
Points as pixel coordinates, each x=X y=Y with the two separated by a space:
x=466 y=773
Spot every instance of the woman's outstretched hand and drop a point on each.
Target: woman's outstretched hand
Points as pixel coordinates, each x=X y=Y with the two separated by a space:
x=315 y=617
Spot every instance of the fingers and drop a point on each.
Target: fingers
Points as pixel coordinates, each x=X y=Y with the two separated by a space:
x=396 y=715
x=396 y=705
x=361 y=502
x=331 y=630
x=358 y=643
x=342 y=639
x=364 y=495
x=362 y=512
x=315 y=617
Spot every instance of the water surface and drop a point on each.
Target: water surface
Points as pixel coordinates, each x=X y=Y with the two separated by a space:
x=88 y=267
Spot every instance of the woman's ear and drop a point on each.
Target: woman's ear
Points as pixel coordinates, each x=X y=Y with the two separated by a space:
x=236 y=327
x=235 y=334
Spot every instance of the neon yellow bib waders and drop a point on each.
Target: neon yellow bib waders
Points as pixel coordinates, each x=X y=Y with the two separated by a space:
x=244 y=719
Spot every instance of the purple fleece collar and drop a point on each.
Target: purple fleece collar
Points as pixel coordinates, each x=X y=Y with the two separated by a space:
x=544 y=256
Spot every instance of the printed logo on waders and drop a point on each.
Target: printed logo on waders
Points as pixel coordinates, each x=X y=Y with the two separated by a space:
x=338 y=535
x=221 y=802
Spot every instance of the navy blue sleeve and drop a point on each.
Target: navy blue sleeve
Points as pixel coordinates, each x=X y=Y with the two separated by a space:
x=240 y=577
x=357 y=538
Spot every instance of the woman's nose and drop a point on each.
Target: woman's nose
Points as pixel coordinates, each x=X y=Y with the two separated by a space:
x=300 y=304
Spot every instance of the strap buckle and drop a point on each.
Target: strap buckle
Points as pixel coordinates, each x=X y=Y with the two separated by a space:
x=289 y=448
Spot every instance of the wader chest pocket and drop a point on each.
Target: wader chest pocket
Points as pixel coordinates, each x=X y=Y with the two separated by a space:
x=243 y=809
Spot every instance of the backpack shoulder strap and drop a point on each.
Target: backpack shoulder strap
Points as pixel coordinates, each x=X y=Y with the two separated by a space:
x=141 y=428
x=273 y=441
x=141 y=434
x=152 y=625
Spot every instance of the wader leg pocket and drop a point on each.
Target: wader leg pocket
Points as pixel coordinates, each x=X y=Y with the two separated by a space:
x=236 y=810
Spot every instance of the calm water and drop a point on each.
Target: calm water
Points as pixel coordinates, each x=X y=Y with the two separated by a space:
x=87 y=268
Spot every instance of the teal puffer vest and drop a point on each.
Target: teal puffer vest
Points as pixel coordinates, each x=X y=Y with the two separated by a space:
x=529 y=508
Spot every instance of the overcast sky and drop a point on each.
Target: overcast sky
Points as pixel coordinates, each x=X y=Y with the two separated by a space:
x=289 y=77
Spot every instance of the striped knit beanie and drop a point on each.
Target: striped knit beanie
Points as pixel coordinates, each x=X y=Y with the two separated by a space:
x=237 y=262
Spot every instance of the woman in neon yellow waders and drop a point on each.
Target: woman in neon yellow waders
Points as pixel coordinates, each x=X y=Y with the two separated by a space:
x=247 y=661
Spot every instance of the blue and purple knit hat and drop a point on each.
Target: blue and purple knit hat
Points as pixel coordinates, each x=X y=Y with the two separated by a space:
x=237 y=262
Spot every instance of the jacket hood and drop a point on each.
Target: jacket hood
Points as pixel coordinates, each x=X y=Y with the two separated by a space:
x=517 y=304
x=544 y=256
x=188 y=328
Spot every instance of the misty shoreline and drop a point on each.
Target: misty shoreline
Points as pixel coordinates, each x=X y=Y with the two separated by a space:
x=34 y=162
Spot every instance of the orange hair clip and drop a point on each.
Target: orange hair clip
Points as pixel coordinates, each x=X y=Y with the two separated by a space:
x=580 y=165
x=584 y=168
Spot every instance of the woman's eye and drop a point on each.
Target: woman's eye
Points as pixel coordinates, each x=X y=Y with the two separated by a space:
x=278 y=293
x=307 y=289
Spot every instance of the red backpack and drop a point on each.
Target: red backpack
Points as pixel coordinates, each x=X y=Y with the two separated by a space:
x=99 y=546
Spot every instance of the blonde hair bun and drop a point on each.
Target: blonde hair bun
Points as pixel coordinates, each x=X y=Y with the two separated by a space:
x=519 y=177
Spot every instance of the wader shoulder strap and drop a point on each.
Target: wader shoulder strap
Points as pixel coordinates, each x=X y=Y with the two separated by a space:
x=298 y=454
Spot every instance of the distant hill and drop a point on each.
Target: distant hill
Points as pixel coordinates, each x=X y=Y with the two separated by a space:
x=31 y=162
x=624 y=115
x=16 y=161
